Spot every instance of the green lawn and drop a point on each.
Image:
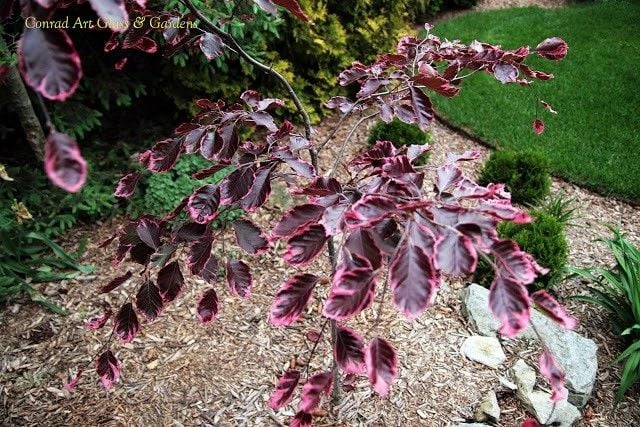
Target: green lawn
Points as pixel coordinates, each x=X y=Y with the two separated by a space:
x=595 y=139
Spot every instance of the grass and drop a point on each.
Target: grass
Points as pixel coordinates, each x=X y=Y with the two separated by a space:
x=595 y=139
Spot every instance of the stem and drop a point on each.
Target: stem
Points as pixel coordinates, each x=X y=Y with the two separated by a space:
x=346 y=140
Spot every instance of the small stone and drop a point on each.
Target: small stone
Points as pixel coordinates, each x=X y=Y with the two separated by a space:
x=524 y=377
x=564 y=414
x=507 y=384
x=489 y=410
x=485 y=350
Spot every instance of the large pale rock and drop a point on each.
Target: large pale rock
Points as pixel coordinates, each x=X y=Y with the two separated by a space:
x=576 y=354
x=488 y=410
x=485 y=350
x=538 y=402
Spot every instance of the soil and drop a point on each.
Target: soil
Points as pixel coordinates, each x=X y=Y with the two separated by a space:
x=177 y=372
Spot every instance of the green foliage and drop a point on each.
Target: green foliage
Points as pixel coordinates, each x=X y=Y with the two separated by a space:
x=580 y=141
x=543 y=238
x=526 y=174
x=617 y=290
x=400 y=134
x=560 y=208
x=163 y=191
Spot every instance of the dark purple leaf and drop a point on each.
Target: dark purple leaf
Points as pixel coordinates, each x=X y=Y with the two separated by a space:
x=141 y=253
x=555 y=375
x=162 y=255
x=250 y=237
x=349 y=350
x=164 y=155
x=549 y=306
x=259 y=191
x=208 y=306
x=127 y=325
x=108 y=369
x=114 y=283
x=238 y=277
x=237 y=185
x=49 y=62
x=292 y=298
x=189 y=232
x=300 y=166
x=203 y=204
x=369 y=210
x=65 y=166
x=149 y=301
x=382 y=365
x=210 y=270
x=149 y=232
x=264 y=119
x=304 y=246
x=455 y=253
x=552 y=48
x=127 y=185
x=414 y=280
x=351 y=292
x=210 y=145
x=199 y=254
x=283 y=393
x=230 y=141
x=170 y=281
x=301 y=419
x=112 y=13
x=205 y=173
x=313 y=389
x=296 y=218
x=211 y=45
x=321 y=186
x=353 y=74
x=361 y=242
x=192 y=140
x=422 y=107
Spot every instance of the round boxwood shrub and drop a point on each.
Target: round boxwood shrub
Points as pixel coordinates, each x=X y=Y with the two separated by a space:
x=543 y=238
x=525 y=173
x=400 y=134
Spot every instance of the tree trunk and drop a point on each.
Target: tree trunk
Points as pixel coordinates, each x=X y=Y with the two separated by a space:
x=21 y=105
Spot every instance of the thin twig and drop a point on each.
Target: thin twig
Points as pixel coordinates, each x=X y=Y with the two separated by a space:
x=346 y=140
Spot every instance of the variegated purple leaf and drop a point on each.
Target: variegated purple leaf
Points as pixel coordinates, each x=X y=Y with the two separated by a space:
x=283 y=393
x=549 y=306
x=422 y=107
x=211 y=45
x=149 y=301
x=550 y=369
x=304 y=246
x=148 y=232
x=164 y=154
x=313 y=389
x=199 y=253
x=237 y=185
x=250 y=237
x=108 y=369
x=349 y=350
x=382 y=365
x=203 y=204
x=127 y=185
x=455 y=253
x=260 y=190
x=65 y=166
x=207 y=307
x=170 y=281
x=369 y=210
x=127 y=325
x=99 y=322
x=238 y=277
x=297 y=218
x=509 y=302
x=115 y=282
x=292 y=298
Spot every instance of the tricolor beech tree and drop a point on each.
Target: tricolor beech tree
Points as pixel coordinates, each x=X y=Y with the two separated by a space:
x=387 y=232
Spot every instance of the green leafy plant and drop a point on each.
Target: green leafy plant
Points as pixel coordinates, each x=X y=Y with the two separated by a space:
x=617 y=290
x=561 y=208
x=525 y=173
x=400 y=134
x=543 y=238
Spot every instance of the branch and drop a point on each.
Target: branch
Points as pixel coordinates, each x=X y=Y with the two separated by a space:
x=346 y=140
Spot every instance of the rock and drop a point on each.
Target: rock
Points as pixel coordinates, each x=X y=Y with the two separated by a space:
x=507 y=384
x=489 y=410
x=576 y=355
x=485 y=350
x=538 y=402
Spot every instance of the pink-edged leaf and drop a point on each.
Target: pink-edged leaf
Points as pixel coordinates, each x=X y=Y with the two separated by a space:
x=237 y=185
x=260 y=190
x=361 y=242
x=211 y=45
x=301 y=419
x=164 y=155
x=455 y=253
x=321 y=186
x=199 y=253
x=127 y=325
x=127 y=185
x=112 y=13
x=550 y=369
x=538 y=126
x=313 y=389
x=170 y=281
x=382 y=365
x=264 y=119
x=291 y=299
x=115 y=282
x=505 y=72
x=349 y=350
x=466 y=156
x=352 y=290
x=49 y=62
x=210 y=271
x=296 y=218
x=333 y=217
x=149 y=232
x=294 y=7
x=341 y=103
x=414 y=280
x=206 y=173
x=189 y=232
x=71 y=384
x=108 y=369
x=549 y=306
x=351 y=75
x=176 y=210
x=98 y=322
x=149 y=301
x=207 y=307
x=504 y=210
x=369 y=210
x=192 y=140
x=238 y=277
x=250 y=237
x=509 y=302
x=65 y=166
x=283 y=393
x=422 y=107
x=203 y=204
x=304 y=246
x=300 y=166
x=416 y=150
x=553 y=48
x=449 y=177
x=514 y=263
